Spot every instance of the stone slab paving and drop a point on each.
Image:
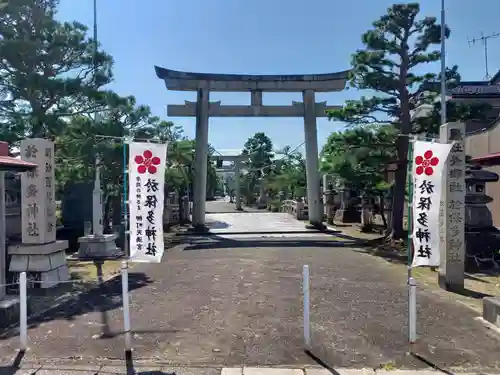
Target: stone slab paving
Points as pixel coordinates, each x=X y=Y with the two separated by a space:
x=258 y=224
x=223 y=206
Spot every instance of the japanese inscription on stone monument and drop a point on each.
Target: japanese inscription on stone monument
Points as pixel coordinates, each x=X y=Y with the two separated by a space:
x=455 y=199
x=38 y=192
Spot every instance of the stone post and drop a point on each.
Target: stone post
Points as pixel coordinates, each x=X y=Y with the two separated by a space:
x=97 y=204
x=166 y=215
x=98 y=245
x=313 y=178
x=325 y=189
x=237 y=187
x=387 y=207
x=452 y=210
x=344 y=198
x=200 y=163
x=261 y=203
x=329 y=203
x=299 y=215
x=230 y=185
x=40 y=254
x=185 y=210
x=366 y=212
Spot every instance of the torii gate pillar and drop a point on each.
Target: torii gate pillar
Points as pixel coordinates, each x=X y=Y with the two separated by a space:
x=201 y=159
x=314 y=204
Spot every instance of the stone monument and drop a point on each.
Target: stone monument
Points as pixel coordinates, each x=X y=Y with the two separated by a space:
x=202 y=109
x=98 y=245
x=347 y=211
x=452 y=210
x=39 y=254
x=329 y=194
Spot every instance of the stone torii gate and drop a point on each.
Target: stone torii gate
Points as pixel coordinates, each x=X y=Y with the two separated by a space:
x=202 y=109
x=236 y=159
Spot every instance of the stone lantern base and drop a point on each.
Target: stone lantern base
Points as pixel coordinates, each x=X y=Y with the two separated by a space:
x=44 y=263
x=349 y=215
x=98 y=246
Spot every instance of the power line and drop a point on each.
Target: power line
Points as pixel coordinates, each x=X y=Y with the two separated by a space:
x=484 y=39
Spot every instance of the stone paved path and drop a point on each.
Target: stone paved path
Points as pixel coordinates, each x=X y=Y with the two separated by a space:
x=234 y=302
x=223 y=206
x=224 y=221
x=258 y=224
x=223 y=300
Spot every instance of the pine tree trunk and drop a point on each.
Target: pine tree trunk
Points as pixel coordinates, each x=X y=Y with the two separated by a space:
x=398 y=201
x=381 y=206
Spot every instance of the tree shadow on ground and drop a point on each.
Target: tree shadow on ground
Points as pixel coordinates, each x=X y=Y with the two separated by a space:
x=214 y=242
x=472 y=293
x=487 y=272
x=15 y=366
x=99 y=298
x=401 y=257
x=217 y=225
x=130 y=368
x=409 y=360
x=390 y=255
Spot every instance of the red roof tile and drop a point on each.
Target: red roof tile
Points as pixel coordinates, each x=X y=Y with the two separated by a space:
x=10 y=163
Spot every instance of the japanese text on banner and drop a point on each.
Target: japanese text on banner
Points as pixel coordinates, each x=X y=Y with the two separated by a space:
x=428 y=165
x=146 y=197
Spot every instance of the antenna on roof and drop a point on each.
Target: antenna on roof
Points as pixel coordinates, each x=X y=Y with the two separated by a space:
x=484 y=39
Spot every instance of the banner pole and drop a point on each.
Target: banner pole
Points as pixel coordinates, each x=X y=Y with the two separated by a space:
x=125 y=199
x=410 y=204
x=410 y=282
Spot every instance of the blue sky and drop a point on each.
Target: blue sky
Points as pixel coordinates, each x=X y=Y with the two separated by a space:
x=260 y=37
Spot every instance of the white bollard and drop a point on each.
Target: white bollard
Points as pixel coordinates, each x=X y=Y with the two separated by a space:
x=412 y=310
x=23 y=312
x=126 y=309
x=307 y=322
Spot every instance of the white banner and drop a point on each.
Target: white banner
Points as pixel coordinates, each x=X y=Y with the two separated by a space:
x=146 y=195
x=429 y=162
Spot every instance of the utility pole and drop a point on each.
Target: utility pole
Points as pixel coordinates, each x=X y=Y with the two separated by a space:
x=484 y=39
x=443 y=65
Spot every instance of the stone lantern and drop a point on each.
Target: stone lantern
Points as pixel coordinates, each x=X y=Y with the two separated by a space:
x=366 y=211
x=347 y=212
x=281 y=195
x=387 y=205
x=330 y=204
x=482 y=238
